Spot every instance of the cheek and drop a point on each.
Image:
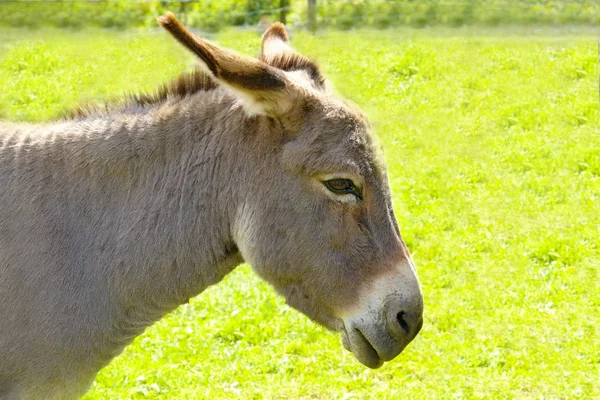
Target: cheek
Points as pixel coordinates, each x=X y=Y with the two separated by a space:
x=288 y=235
x=347 y=229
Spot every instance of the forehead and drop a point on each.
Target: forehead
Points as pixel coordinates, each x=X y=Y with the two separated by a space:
x=336 y=137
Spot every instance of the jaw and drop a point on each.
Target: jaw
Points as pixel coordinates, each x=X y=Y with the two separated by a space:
x=296 y=298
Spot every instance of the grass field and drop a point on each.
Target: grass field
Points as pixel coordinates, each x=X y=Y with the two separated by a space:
x=493 y=144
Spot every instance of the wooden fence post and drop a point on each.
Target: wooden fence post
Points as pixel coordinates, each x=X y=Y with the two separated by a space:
x=283 y=13
x=312 y=15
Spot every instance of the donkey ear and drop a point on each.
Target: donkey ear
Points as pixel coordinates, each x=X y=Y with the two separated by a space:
x=275 y=42
x=277 y=52
x=262 y=88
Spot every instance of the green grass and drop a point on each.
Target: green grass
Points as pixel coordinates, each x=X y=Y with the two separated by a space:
x=493 y=146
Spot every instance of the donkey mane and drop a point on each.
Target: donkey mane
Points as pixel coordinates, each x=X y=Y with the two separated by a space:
x=188 y=84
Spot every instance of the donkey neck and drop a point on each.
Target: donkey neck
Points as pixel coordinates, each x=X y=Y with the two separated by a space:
x=143 y=202
x=178 y=174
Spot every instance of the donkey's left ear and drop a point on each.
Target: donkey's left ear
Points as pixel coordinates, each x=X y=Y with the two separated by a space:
x=262 y=88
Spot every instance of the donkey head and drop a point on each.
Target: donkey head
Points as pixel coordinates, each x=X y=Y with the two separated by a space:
x=316 y=218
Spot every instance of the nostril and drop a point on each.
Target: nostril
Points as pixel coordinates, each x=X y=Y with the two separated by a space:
x=402 y=321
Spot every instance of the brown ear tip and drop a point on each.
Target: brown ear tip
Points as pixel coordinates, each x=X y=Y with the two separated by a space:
x=277 y=30
x=162 y=20
x=167 y=19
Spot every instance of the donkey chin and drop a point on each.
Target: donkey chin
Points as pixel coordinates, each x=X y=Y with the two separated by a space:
x=388 y=318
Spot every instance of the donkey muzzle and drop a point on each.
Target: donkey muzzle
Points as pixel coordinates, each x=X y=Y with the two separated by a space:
x=390 y=317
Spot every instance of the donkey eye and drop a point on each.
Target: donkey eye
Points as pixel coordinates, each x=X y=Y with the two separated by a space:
x=342 y=186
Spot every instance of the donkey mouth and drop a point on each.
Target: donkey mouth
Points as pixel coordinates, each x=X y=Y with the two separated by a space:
x=356 y=343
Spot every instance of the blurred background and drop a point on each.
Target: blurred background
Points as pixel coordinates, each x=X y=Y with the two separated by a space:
x=213 y=15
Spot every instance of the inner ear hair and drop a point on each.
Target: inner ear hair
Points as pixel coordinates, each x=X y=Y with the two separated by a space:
x=276 y=52
x=295 y=62
x=276 y=31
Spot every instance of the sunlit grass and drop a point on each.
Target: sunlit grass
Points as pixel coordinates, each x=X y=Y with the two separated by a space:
x=493 y=145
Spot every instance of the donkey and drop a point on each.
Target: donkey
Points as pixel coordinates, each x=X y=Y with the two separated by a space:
x=112 y=218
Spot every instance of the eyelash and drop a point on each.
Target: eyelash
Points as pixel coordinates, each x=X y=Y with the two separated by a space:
x=352 y=189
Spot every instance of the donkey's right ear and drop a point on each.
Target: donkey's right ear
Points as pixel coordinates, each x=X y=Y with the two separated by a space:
x=263 y=89
x=275 y=42
x=277 y=52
